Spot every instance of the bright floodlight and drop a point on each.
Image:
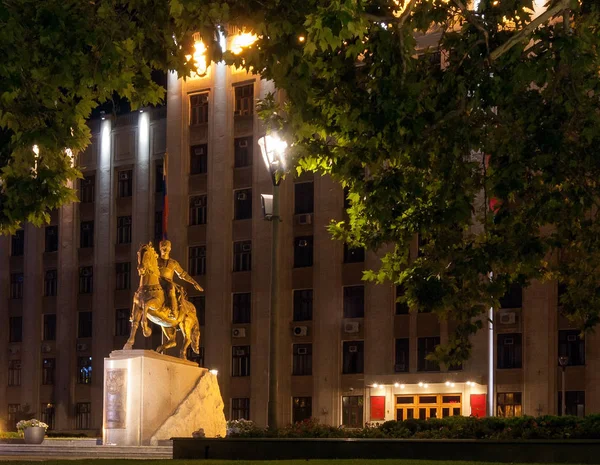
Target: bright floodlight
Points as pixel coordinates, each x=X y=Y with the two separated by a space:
x=273 y=151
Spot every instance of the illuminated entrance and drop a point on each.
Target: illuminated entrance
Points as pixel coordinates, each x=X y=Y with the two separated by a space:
x=428 y=406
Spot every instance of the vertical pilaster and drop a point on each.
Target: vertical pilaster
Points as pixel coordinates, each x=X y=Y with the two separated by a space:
x=142 y=196
x=4 y=311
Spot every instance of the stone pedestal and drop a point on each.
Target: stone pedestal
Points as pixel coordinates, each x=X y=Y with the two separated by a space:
x=149 y=397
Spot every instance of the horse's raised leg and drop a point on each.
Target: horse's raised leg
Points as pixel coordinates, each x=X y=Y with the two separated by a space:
x=170 y=334
x=136 y=314
x=186 y=331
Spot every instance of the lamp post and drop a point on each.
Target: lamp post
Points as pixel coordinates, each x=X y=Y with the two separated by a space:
x=563 y=361
x=273 y=152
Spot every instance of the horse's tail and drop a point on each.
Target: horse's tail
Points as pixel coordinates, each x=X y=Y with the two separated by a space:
x=196 y=336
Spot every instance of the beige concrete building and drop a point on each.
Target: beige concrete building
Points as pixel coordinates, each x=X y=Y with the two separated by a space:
x=348 y=353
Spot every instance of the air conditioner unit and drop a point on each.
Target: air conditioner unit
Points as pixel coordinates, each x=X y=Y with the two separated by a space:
x=242 y=196
x=508 y=318
x=238 y=332
x=86 y=227
x=240 y=352
x=50 y=274
x=127 y=220
x=199 y=150
x=352 y=349
x=571 y=338
x=302 y=351
x=351 y=327
x=300 y=330
x=85 y=272
x=243 y=143
x=123 y=175
x=399 y=367
x=246 y=247
x=14 y=350
x=509 y=341
x=198 y=202
x=81 y=347
x=46 y=348
x=51 y=232
x=305 y=218
x=303 y=243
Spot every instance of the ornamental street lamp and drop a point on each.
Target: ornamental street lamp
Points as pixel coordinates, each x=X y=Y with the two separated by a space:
x=563 y=361
x=273 y=151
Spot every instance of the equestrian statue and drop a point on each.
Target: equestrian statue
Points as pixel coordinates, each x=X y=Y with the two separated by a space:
x=160 y=300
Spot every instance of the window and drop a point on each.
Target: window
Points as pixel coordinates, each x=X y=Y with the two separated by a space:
x=426 y=346
x=303 y=251
x=49 y=327
x=123 y=275
x=242 y=151
x=13 y=411
x=197 y=210
x=509 y=350
x=302 y=361
x=303 y=305
x=83 y=415
x=354 y=302
x=84 y=370
x=242 y=207
x=561 y=292
x=125 y=183
x=16 y=285
x=50 y=283
x=199 y=159
x=353 y=255
x=240 y=361
x=509 y=404
x=244 y=100
x=240 y=408
x=197 y=260
x=198 y=109
x=304 y=198
x=86 y=189
x=353 y=357
x=86 y=234
x=199 y=302
x=124 y=230
x=242 y=308
x=572 y=346
x=48 y=371
x=242 y=256
x=86 y=279
x=51 y=236
x=48 y=414
x=17 y=243
x=401 y=306
x=513 y=297
x=159 y=178
x=301 y=409
x=84 y=328
x=122 y=323
x=401 y=364
x=15 y=329
x=194 y=357
x=14 y=372
x=575 y=403
x=158 y=226
x=352 y=411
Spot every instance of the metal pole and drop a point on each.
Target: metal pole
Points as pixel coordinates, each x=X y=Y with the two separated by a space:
x=490 y=384
x=564 y=398
x=272 y=414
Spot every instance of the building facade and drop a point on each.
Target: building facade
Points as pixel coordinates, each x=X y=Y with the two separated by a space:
x=349 y=354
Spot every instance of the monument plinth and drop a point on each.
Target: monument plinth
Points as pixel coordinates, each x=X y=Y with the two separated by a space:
x=150 y=397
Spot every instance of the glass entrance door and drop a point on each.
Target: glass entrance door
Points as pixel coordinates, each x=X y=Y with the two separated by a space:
x=428 y=406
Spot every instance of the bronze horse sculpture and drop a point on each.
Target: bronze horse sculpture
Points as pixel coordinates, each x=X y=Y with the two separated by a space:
x=149 y=305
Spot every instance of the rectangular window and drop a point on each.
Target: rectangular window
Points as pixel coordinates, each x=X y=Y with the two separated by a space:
x=124 y=230
x=86 y=234
x=125 y=183
x=303 y=305
x=244 y=100
x=199 y=159
x=86 y=279
x=240 y=408
x=426 y=346
x=198 y=109
x=159 y=178
x=123 y=275
x=48 y=414
x=575 y=403
x=49 y=327
x=303 y=251
x=302 y=360
x=243 y=151
x=122 y=323
x=84 y=327
x=87 y=188
x=513 y=297
x=51 y=236
x=240 y=361
x=354 y=302
x=353 y=357
x=17 y=243
x=14 y=372
x=84 y=370
x=48 y=371
x=242 y=256
x=509 y=404
x=199 y=301
x=158 y=226
x=352 y=411
x=15 y=329
x=401 y=306
x=198 y=210
x=304 y=198
x=242 y=308
x=242 y=207
x=16 y=285
x=301 y=409
x=509 y=350
x=572 y=346
x=13 y=411
x=353 y=255
x=401 y=364
x=83 y=415
x=197 y=260
x=50 y=283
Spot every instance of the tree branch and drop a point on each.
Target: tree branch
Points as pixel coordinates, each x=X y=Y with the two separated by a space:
x=471 y=18
x=399 y=20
